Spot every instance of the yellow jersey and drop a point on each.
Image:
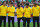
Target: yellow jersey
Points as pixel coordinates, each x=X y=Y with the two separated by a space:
x=35 y=11
x=19 y=12
x=11 y=11
x=3 y=10
x=27 y=12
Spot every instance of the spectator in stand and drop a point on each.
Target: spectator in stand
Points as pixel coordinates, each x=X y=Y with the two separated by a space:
x=22 y=5
x=27 y=2
x=7 y=3
x=39 y=3
x=0 y=3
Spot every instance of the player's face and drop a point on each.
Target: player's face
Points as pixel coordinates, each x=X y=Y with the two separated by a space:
x=4 y=3
x=34 y=4
x=10 y=5
x=19 y=7
x=26 y=6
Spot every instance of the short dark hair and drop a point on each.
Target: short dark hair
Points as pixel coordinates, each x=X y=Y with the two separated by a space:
x=18 y=5
x=27 y=4
x=4 y=1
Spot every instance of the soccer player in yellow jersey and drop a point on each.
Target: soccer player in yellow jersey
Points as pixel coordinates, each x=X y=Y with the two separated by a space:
x=27 y=14
x=11 y=14
x=35 y=11
x=19 y=12
x=4 y=12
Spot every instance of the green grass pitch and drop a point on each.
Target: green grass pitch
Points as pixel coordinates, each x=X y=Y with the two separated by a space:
x=21 y=24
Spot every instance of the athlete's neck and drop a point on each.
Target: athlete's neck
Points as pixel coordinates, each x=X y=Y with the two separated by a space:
x=3 y=5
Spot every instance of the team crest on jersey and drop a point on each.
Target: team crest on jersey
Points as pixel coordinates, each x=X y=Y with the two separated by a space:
x=28 y=9
x=12 y=8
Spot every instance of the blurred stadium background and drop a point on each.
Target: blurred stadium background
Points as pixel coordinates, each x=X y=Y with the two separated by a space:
x=15 y=5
